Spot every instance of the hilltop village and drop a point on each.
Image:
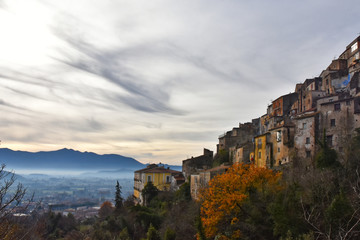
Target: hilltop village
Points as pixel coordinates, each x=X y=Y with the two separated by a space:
x=325 y=107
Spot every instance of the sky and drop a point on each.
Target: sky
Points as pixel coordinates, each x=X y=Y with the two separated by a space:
x=155 y=80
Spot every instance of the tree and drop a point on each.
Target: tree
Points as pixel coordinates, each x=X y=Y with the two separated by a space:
x=118 y=198
x=149 y=192
x=124 y=234
x=152 y=233
x=235 y=203
x=331 y=198
x=11 y=197
x=200 y=229
x=169 y=234
x=183 y=194
x=327 y=156
x=221 y=157
x=106 y=210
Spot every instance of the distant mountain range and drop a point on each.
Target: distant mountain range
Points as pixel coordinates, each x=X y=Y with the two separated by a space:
x=65 y=160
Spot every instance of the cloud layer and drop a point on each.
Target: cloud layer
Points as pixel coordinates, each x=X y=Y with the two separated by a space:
x=155 y=80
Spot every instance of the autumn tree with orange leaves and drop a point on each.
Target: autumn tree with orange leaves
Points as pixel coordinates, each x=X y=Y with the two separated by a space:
x=235 y=204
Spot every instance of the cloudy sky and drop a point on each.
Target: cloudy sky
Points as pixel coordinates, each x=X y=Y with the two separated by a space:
x=155 y=80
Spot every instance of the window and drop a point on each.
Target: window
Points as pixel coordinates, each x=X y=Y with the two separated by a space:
x=337 y=106
x=329 y=140
x=347 y=103
x=278 y=149
x=304 y=126
x=149 y=178
x=259 y=143
x=354 y=47
x=332 y=122
x=167 y=179
x=278 y=136
x=259 y=154
x=307 y=140
x=308 y=154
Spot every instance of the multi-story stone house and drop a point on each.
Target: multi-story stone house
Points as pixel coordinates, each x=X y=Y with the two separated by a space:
x=237 y=136
x=201 y=179
x=339 y=117
x=242 y=153
x=351 y=55
x=335 y=76
x=262 y=150
x=308 y=92
x=305 y=137
x=195 y=164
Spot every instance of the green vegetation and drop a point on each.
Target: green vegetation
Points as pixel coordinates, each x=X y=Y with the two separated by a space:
x=221 y=157
x=326 y=157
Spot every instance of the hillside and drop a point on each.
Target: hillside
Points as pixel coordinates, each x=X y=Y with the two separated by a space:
x=67 y=159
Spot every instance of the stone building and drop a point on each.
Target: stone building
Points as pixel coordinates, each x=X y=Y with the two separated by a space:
x=308 y=92
x=262 y=150
x=334 y=77
x=242 y=153
x=351 y=55
x=306 y=134
x=195 y=164
x=280 y=140
x=202 y=179
x=339 y=118
x=236 y=137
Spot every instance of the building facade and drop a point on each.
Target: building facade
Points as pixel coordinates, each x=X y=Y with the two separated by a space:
x=160 y=176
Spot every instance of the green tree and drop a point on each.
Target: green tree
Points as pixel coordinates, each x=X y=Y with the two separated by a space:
x=152 y=233
x=149 y=192
x=118 y=198
x=124 y=235
x=169 y=234
x=183 y=194
x=221 y=157
x=326 y=157
x=200 y=229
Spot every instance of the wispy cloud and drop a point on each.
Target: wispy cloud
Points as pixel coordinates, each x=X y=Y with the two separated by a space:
x=158 y=80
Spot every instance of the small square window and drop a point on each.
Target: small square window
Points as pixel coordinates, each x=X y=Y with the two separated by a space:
x=337 y=106
x=307 y=140
x=259 y=155
x=308 y=154
x=332 y=122
x=278 y=149
x=348 y=103
x=304 y=126
x=149 y=178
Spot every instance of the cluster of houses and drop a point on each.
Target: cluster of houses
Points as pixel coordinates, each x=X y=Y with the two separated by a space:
x=328 y=104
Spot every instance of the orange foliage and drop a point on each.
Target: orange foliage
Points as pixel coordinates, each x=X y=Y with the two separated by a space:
x=8 y=231
x=106 y=209
x=222 y=200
